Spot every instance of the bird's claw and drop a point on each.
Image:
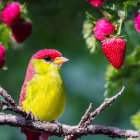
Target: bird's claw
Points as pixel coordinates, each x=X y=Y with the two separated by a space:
x=30 y=116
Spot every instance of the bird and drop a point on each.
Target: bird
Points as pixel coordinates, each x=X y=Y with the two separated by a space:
x=43 y=92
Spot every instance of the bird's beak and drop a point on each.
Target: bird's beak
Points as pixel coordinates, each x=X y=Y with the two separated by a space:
x=60 y=60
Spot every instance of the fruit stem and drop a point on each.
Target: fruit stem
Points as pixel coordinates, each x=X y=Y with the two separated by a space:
x=122 y=15
x=106 y=14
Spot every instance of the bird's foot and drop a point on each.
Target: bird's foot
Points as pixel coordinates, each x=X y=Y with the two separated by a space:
x=59 y=126
x=30 y=116
x=44 y=122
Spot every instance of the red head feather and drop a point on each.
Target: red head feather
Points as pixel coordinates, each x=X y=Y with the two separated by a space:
x=47 y=52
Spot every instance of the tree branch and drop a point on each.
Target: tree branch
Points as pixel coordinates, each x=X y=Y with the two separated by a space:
x=71 y=132
x=53 y=129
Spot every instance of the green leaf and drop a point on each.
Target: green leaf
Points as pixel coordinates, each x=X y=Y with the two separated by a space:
x=135 y=120
x=4 y=35
x=23 y=11
x=87 y=29
x=24 y=8
x=2 y=5
x=91 y=43
x=113 y=12
x=134 y=57
x=88 y=35
x=129 y=3
x=4 y=68
x=113 y=81
x=90 y=17
x=129 y=73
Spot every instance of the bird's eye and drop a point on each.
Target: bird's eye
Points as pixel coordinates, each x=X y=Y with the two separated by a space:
x=47 y=58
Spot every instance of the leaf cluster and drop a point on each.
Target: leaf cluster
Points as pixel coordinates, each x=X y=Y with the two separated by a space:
x=130 y=72
x=88 y=28
x=128 y=4
x=4 y=35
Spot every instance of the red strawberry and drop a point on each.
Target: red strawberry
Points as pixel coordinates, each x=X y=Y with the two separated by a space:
x=114 y=50
x=96 y=3
x=2 y=56
x=11 y=14
x=137 y=22
x=21 y=30
x=103 y=27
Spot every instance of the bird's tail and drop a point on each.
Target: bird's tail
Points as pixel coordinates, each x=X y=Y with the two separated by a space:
x=34 y=135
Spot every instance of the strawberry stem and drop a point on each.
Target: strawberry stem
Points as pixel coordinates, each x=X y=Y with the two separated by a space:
x=106 y=14
x=122 y=15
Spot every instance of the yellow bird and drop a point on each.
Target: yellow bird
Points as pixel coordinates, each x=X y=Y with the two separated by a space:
x=43 y=91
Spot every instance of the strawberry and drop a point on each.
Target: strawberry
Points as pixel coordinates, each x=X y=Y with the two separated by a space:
x=114 y=50
x=137 y=22
x=102 y=28
x=11 y=14
x=96 y=3
x=2 y=56
x=21 y=30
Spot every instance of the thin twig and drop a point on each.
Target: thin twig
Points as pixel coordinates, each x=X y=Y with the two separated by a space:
x=17 y=110
x=89 y=117
x=86 y=116
x=122 y=15
x=103 y=106
x=7 y=97
x=82 y=122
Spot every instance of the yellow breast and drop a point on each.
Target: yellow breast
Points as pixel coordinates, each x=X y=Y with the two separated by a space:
x=45 y=93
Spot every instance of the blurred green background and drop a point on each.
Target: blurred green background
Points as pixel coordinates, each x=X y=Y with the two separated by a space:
x=57 y=24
